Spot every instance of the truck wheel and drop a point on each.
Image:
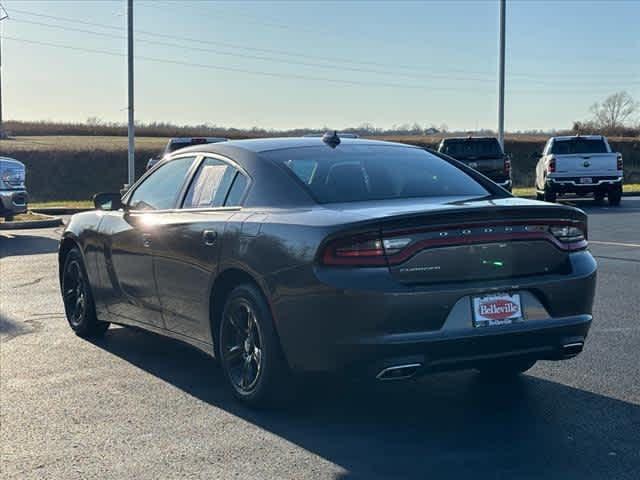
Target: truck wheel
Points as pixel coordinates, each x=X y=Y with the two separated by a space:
x=549 y=195
x=615 y=195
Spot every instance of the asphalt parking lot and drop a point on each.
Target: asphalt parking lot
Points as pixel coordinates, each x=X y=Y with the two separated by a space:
x=135 y=405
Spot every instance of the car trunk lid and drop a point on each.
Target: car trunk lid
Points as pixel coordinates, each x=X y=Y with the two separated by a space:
x=466 y=241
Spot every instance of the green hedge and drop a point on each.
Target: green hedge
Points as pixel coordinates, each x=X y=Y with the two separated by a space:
x=77 y=175
x=67 y=175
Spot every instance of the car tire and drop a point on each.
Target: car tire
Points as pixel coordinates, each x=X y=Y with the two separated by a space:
x=8 y=218
x=249 y=350
x=615 y=196
x=549 y=195
x=78 y=298
x=505 y=368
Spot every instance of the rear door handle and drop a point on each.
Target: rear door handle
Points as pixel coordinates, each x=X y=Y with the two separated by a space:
x=209 y=237
x=146 y=240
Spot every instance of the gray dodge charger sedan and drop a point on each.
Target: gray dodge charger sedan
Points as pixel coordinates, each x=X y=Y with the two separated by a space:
x=298 y=255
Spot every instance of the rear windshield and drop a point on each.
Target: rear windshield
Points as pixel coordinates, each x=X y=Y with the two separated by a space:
x=578 y=145
x=472 y=148
x=359 y=173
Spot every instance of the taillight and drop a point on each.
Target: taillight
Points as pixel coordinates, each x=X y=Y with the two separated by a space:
x=507 y=166
x=367 y=250
x=394 y=248
x=360 y=250
x=619 y=163
x=551 y=166
x=572 y=236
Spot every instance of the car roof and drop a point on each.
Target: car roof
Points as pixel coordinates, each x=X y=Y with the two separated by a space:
x=259 y=145
x=470 y=137
x=573 y=137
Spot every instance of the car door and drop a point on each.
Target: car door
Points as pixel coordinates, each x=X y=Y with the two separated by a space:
x=128 y=251
x=187 y=247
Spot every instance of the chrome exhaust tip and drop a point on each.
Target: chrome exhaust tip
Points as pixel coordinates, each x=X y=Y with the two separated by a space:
x=398 y=372
x=572 y=349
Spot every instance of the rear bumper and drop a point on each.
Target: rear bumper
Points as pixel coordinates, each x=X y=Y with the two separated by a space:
x=13 y=202
x=574 y=185
x=440 y=351
x=327 y=324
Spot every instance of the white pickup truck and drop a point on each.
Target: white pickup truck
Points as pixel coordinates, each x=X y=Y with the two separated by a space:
x=582 y=164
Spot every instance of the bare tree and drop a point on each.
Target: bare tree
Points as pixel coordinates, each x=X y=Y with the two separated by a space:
x=616 y=109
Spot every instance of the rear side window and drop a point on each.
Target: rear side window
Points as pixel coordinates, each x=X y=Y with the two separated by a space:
x=353 y=173
x=210 y=185
x=578 y=145
x=160 y=190
x=237 y=190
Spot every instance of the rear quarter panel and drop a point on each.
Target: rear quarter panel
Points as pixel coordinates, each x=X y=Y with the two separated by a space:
x=83 y=230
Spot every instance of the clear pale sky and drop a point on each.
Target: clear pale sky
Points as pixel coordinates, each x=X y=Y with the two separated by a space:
x=393 y=62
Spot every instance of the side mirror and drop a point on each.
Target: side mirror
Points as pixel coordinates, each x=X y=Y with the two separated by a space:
x=107 y=201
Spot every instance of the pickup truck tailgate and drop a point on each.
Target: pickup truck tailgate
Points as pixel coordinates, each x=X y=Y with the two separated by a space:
x=487 y=166
x=587 y=164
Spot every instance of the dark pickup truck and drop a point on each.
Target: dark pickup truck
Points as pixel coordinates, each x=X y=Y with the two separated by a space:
x=483 y=154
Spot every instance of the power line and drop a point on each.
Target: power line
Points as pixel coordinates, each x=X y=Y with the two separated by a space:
x=3 y=16
x=332 y=60
x=245 y=71
x=254 y=57
x=277 y=60
x=227 y=68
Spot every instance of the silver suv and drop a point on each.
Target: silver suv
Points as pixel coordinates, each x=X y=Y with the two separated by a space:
x=13 y=192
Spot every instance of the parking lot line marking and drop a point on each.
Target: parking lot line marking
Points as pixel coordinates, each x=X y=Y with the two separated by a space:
x=616 y=244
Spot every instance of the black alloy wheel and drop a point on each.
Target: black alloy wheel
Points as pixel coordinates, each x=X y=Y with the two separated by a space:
x=242 y=346
x=78 y=301
x=249 y=349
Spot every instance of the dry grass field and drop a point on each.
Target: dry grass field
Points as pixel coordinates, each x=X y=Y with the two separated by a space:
x=77 y=143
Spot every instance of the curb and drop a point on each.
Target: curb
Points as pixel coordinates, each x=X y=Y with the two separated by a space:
x=59 y=210
x=50 y=222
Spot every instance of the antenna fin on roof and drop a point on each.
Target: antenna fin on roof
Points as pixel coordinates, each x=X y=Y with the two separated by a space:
x=331 y=139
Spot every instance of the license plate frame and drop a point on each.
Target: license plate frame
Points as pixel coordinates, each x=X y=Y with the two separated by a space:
x=496 y=309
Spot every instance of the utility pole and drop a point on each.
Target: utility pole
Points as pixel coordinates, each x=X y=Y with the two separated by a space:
x=3 y=15
x=130 y=130
x=503 y=7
